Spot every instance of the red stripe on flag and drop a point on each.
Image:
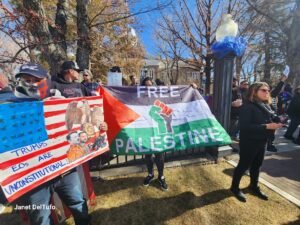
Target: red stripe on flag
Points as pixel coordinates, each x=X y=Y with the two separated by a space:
x=14 y=161
x=68 y=100
x=61 y=133
x=60 y=112
x=55 y=125
x=66 y=168
x=54 y=113
x=23 y=173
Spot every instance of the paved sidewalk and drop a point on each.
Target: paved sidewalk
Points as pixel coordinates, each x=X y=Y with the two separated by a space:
x=281 y=170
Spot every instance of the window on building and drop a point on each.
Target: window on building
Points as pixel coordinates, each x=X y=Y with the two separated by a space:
x=196 y=75
x=151 y=73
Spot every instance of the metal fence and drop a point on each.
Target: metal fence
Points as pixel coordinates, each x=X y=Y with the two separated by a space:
x=128 y=160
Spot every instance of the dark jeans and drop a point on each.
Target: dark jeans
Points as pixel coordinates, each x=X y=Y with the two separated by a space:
x=295 y=121
x=69 y=190
x=2 y=197
x=159 y=161
x=251 y=157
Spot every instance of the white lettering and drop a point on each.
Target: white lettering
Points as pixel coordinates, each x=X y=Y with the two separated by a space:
x=181 y=137
x=190 y=135
x=196 y=136
x=174 y=91
x=155 y=141
x=213 y=135
x=169 y=142
x=119 y=144
x=140 y=89
x=152 y=90
x=203 y=136
x=130 y=146
x=140 y=143
x=162 y=91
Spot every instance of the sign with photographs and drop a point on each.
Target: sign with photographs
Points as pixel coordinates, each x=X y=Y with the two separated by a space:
x=41 y=140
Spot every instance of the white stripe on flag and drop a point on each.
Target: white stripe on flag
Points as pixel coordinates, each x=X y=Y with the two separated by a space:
x=13 y=170
x=183 y=113
x=58 y=107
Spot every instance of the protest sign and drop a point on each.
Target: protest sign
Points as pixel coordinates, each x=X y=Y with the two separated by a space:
x=42 y=139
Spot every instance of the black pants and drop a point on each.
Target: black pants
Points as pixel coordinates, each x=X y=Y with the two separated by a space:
x=251 y=157
x=159 y=161
x=295 y=121
x=234 y=127
x=271 y=139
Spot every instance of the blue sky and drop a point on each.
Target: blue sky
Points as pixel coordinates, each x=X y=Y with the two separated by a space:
x=146 y=24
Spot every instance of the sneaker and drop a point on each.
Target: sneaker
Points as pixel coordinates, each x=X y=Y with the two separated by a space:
x=271 y=148
x=239 y=194
x=163 y=183
x=2 y=208
x=148 y=180
x=296 y=141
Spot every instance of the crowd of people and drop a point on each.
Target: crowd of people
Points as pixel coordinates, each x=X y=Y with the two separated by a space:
x=257 y=112
x=33 y=83
x=284 y=106
x=255 y=115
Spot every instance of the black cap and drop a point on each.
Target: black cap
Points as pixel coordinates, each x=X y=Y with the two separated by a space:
x=70 y=65
x=115 y=69
x=32 y=69
x=146 y=79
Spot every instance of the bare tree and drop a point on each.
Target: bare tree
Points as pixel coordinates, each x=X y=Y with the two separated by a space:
x=169 y=49
x=35 y=30
x=281 y=27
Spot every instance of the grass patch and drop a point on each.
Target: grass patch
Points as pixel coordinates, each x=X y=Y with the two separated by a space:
x=197 y=195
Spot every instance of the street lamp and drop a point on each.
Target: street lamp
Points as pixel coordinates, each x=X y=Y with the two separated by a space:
x=225 y=49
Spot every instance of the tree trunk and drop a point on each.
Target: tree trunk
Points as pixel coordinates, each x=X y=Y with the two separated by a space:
x=59 y=31
x=207 y=70
x=177 y=72
x=84 y=47
x=294 y=47
x=238 y=67
x=39 y=28
x=267 y=72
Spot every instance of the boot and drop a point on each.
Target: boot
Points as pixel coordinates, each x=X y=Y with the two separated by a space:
x=238 y=194
x=235 y=188
x=297 y=141
x=257 y=192
x=271 y=147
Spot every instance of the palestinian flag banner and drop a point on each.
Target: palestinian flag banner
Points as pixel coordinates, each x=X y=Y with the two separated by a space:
x=146 y=120
x=41 y=140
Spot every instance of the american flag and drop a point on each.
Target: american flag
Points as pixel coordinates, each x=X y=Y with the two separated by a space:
x=36 y=147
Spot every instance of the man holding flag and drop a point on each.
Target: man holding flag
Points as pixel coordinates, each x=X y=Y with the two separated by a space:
x=33 y=84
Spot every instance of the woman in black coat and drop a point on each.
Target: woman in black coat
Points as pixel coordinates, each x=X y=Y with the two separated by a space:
x=256 y=127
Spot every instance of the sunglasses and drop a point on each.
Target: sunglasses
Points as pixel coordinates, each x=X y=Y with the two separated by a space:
x=85 y=75
x=264 y=90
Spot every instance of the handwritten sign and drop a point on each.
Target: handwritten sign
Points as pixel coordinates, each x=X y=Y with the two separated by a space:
x=57 y=135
